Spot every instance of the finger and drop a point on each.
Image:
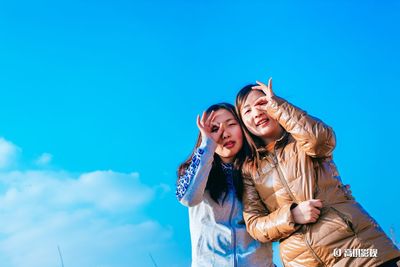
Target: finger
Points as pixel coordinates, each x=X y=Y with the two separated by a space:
x=316 y=203
x=270 y=83
x=260 y=101
x=220 y=130
x=203 y=117
x=198 y=122
x=316 y=211
x=257 y=87
x=210 y=118
x=314 y=218
x=261 y=84
x=260 y=108
x=264 y=88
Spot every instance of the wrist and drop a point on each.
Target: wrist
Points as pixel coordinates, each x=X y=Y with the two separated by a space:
x=208 y=143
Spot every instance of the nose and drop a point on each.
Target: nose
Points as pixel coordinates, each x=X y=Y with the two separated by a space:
x=226 y=134
x=256 y=113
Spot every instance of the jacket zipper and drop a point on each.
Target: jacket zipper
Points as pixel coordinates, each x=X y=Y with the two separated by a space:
x=310 y=248
x=282 y=178
x=284 y=182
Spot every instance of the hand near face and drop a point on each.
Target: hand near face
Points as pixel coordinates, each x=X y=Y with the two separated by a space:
x=207 y=128
x=267 y=89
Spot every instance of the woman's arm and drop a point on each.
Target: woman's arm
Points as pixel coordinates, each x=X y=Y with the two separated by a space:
x=190 y=186
x=315 y=138
x=262 y=225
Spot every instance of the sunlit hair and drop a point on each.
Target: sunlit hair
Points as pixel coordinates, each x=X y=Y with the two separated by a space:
x=217 y=184
x=256 y=145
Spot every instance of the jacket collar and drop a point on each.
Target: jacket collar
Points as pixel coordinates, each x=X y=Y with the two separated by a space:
x=278 y=143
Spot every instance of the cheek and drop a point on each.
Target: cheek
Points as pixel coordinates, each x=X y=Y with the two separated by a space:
x=214 y=135
x=220 y=150
x=239 y=137
x=275 y=124
x=247 y=122
x=237 y=133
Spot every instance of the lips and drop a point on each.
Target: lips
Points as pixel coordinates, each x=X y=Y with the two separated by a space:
x=229 y=144
x=262 y=122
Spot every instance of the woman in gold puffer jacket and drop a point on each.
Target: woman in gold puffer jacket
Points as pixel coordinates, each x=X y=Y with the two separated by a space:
x=293 y=192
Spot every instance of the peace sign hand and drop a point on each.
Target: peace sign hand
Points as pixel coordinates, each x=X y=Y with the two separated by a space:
x=206 y=127
x=267 y=89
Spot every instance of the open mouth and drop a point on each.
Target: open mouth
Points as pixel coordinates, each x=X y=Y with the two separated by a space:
x=263 y=122
x=229 y=144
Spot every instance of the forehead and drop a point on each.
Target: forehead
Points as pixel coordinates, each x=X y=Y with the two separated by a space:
x=222 y=115
x=252 y=97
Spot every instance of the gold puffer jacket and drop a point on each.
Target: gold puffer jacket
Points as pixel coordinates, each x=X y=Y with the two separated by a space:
x=301 y=168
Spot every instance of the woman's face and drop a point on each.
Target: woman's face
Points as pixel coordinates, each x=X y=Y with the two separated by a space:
x=257 y=121
x=231 y=139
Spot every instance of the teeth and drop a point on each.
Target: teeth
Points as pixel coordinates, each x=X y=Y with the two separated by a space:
x=261 y=122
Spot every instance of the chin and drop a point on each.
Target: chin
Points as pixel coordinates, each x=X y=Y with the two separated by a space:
x=266 y=133
x=230 y=154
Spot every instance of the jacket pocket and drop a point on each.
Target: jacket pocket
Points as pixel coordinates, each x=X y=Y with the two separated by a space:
x=346 y=220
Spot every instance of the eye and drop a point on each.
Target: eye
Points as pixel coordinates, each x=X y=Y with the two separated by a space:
x=246 y=111
x=232 y=124
x=214 y=129
x=260 y=102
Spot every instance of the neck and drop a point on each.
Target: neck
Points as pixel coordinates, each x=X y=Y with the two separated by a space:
x=274 y=137
x=227 y=160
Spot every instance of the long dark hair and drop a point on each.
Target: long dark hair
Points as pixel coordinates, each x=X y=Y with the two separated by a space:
x=256 y=145
x=217 y=184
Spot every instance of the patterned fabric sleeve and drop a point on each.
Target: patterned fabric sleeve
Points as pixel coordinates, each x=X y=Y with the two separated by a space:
x=184 y=180
x=190 y=186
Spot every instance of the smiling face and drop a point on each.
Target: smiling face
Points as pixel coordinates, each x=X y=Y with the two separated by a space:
x=231 y=140
x=257 y=121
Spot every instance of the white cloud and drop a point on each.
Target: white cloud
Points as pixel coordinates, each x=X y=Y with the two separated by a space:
x=44 y=159
x=97 y=218
x=8 y=153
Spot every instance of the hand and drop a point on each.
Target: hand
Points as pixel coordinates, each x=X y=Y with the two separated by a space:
x=307 y=211
x=206 y=127
x=267 y=89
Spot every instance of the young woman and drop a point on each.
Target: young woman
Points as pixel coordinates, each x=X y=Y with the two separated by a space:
x=293 y=192
x=210 y=184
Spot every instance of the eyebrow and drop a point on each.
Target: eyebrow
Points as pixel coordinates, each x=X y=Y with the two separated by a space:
x=230 y=119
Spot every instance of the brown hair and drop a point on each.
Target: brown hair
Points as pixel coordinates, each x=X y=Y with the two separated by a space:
x=253 y=157
x=217 y=184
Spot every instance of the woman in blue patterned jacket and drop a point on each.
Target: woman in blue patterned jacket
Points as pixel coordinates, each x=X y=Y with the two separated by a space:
x=210 y=184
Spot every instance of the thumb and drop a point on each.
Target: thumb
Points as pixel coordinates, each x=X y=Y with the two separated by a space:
x=199 y=123
x=316 y=203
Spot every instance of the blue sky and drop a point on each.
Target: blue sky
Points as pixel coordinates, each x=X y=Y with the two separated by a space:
x=99 y=100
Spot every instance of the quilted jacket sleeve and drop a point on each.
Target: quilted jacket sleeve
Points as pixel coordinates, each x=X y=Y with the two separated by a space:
x=262 y=225
x=315 y=138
